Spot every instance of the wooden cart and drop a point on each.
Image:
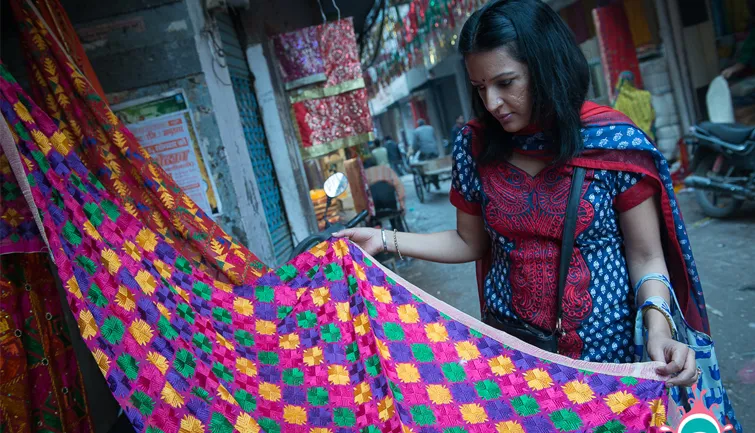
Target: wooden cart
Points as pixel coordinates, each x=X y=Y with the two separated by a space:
x=423 y=171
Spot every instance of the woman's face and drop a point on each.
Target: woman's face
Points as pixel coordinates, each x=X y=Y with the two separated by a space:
x=503 y=84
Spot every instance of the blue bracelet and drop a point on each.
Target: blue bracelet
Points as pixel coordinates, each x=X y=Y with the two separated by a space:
x=654 y=277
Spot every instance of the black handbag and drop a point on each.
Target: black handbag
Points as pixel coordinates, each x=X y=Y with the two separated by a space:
x=533 y=335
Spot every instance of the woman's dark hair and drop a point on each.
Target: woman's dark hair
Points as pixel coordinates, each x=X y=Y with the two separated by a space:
x=559 y=75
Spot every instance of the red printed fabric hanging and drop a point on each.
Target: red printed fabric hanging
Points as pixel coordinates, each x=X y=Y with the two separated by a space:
x=332 y=114
x=300 y=57
x=617 y=50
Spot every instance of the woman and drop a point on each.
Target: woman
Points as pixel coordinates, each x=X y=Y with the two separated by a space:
x=512 y=175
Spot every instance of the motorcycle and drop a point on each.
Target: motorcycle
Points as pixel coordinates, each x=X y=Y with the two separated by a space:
x=334 y=186
x=723 y=170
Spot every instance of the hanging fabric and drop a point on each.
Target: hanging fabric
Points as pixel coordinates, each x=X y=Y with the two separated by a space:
x=329 y=341
x=334 y=113
x=617 y=50
x=112 y=154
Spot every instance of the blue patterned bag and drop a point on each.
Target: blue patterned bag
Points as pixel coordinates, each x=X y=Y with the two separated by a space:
x=715 y=397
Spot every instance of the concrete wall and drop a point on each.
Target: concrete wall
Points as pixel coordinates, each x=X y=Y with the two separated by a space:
x=141 y=48
x=668 y=129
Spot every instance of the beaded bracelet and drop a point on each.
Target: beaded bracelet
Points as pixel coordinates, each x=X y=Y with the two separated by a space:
x=395 y=241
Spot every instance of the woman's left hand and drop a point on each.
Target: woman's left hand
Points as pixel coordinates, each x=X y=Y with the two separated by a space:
x=679 y=358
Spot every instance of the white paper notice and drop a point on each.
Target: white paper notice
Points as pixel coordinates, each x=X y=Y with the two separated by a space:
x=168 y=140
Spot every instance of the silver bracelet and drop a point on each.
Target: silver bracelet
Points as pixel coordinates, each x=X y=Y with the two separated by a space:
x=385 y=243
x=395 y=241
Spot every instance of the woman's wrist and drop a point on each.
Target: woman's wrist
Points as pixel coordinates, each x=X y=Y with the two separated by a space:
x=656 y=324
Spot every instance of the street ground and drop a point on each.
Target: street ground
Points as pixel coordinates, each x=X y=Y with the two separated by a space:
x=725 y=258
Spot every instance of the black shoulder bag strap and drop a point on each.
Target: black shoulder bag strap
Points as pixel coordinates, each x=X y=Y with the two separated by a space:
x=567 y=241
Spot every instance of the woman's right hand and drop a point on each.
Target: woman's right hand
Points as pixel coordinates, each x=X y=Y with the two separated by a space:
x=368 y=239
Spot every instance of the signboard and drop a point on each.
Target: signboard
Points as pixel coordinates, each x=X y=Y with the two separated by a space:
x=165 y=128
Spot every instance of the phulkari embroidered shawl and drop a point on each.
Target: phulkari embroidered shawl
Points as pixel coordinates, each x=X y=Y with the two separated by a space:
x=193 y=334
x=328 y=342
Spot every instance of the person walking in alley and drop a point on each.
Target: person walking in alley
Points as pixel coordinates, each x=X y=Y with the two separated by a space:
x=534 y=139
x=394 y=155
x=380 y=153
x=425 y=144
x=387 y=190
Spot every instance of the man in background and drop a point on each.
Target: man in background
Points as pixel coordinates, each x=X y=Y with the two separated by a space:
x=394 y=155
x=380 y=153
x=387 y=191
x=424 y=143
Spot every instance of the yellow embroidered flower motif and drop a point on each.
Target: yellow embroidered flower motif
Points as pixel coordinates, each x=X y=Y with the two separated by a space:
x=13 y=218
x=246 y=424
x=321 y=296
x=22 y=112
x=226 y=396
x=164 y=311
x=538 y=379
x=620 y=401
x=407 y=373
x=313 y=356
x=141 y=331
x=158 y=361
x=111 y=261
x=436 y=332
x=467 y=351
x=319 y=250
x=362 y=393
x=340 y=248
x=87 y=325
x=247 y=367
x=408 y=313
x=223 y=342
x=386 y=409
x=289 y=341
x=132 y=250
x=382 y=294
x=163 y=269
x=61 y=143
x=509 y=427
x=473 y=413
x=362 y=324
x=91 y=231
x=146 y=239
x=383 y=350
x=343 y=311
x=270 y=392
x=265 y=327
x=658 y=409
x=439 y=394
x=171 y=396
x=578 y=392
x=73 y=288
x=338 y=375
x=146 y=281
x=501 y=365
x=320 y=430
x=243 y=307
x=361 y=276
x=295 y=415
x=102 y=361
x=42 y=141
x=189 y=424
x=125 y=299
